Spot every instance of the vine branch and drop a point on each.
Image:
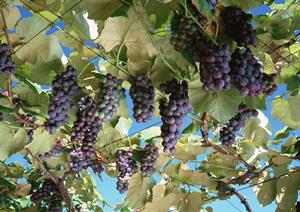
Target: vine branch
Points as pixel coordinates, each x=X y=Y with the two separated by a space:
x=58 y=182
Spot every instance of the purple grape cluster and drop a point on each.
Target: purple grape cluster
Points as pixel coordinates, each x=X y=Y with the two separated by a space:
x=185 y=31
x=149 y=158
x=215 y=69
x=109 y=97
x=237 y=25
x=49 y=193
x=7 y=66
x=127 y=167
x=64 y=88
x=85 y=132
x=227 y=133
x=60 y=143
x=270 y=81
x=142 y=93
x=246 y=72
x=173 y=112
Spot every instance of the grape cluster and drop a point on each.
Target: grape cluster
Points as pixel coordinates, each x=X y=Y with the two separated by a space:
x=97 y=167
x=49 y=193
x=246 y=72
x=60 y=143
x=30 y=120
x=109 y=97
x=127 y=167
x=64 y=88
x=185 y=31
x=215 y=69
x=7 y=66
x=237 y=24
x=142 y=93
x=227 y=133
x=85 y=132
x=270 y=81
x=149 y=159
x=173 y=112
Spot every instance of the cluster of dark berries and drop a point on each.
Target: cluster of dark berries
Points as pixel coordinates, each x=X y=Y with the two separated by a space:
x=148 y=160
x=7 y=66
x=246 y=72
x=142 y=93
x=49 y=193
x=109 y=97
x=185 y=31
x=60 y=143
x=227 y=133
x=215 y=69
x=64 y=88
x=85 y=132
x=127 y=167
x=237 y=25
x=29 y=122
x=173 y=112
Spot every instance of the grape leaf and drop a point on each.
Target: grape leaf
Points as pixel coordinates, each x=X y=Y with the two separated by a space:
x=287 y=111
x=245 y=4
x=101 y=9
x=12 y=16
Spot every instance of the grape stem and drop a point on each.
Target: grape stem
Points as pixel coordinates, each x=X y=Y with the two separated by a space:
x=58 y=182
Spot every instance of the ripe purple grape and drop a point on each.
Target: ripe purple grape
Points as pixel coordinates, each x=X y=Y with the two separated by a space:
x=7 y=66
x=227 y=133
x=84 y=133
x=173 y=112
x=237 y=25
x=149 y=158
x=64 y=88
x=110 y=95
x=127 y=167
x=142 y=93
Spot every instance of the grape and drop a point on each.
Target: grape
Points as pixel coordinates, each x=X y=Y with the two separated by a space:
x=49 y=193
x=84 y=133
x=246 y=72
x=237 y=25
x=30 y=120
x=173 y=112
x=227 y=133
x=149 y=159
x=270 y=81
x=60 y=143
x=142 y=93
x=109 y=96
x=64 y=88
x=185 y=31
x=214 y=64
x=7 y=66
x=127 y=167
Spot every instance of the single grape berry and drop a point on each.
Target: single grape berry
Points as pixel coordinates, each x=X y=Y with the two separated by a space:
x=237 y=25
x=246 y=73
x=7 y=66
x=149 y=158
x=109 y=97
x=227 y=133
x=214 y=65
x=64 y=88
x=142 y=93
x=127 y=167
x=173 y=112
x=84 y=133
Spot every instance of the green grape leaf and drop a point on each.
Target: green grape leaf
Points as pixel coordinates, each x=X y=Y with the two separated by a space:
x=137 y=191
x=6 y=110
x=287 y=111
x=245 y=4
x=101 y=9
x=11 y=141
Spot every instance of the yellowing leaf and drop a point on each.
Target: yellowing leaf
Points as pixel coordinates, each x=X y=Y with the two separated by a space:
x=192 y=202
x=137 y=191
x=287 y=111
x=45 y=47
x=188 y=151
x=163 y=205
x=123 y=125
x=130 y=31
x=12 y=15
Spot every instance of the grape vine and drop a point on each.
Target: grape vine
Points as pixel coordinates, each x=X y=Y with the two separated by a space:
x=7 y=66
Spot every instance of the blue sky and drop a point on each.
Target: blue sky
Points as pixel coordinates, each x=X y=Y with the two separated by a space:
x=107 y=186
